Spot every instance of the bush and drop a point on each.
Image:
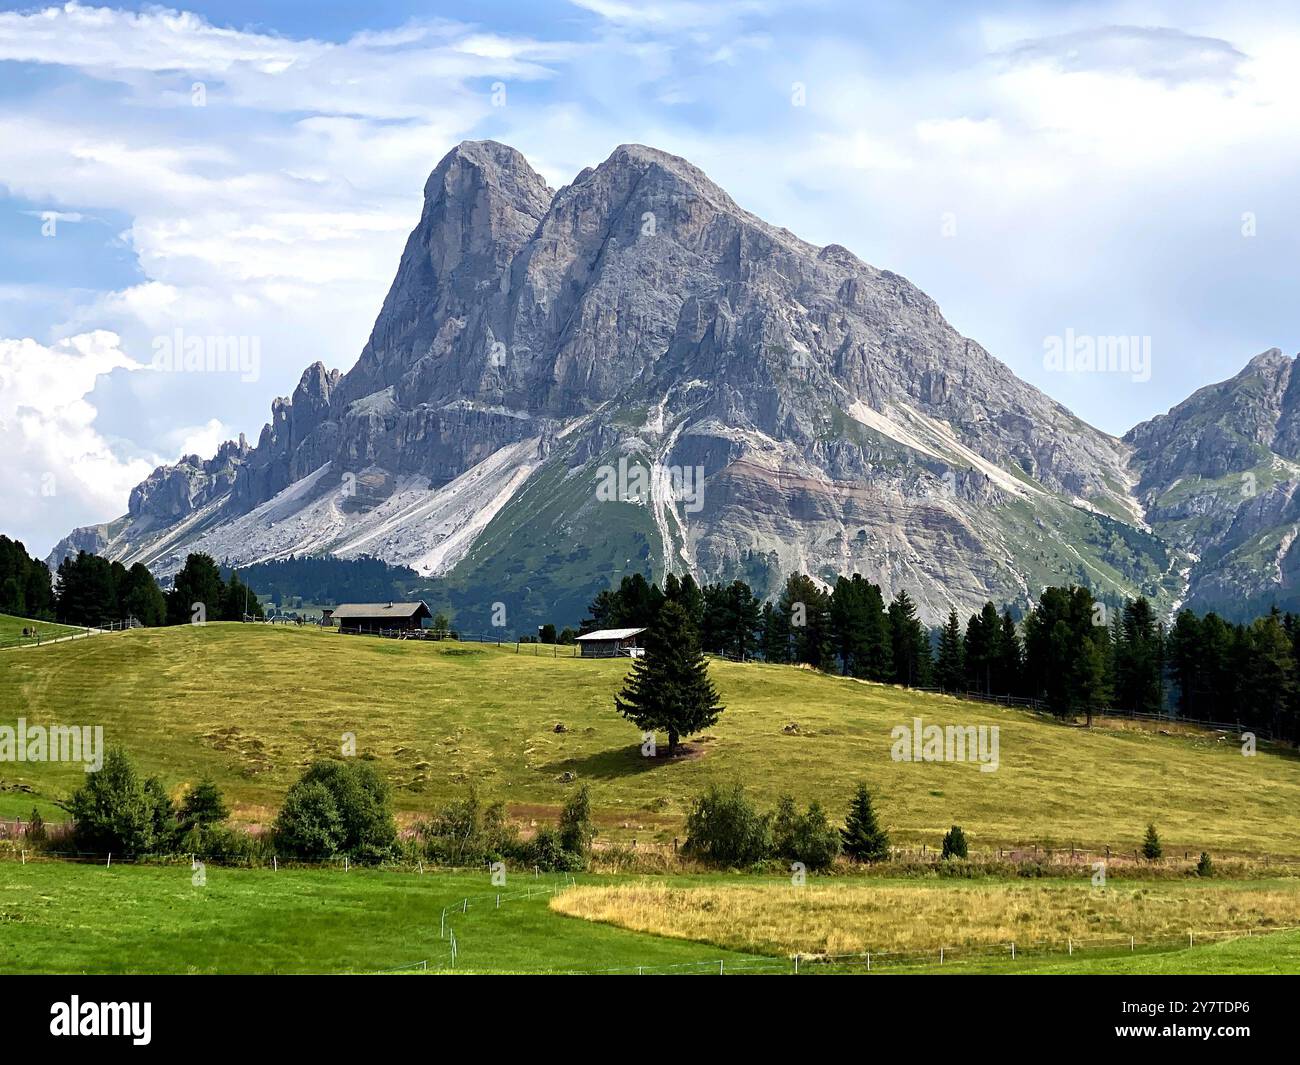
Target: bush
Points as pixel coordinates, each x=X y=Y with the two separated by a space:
x=808 y=838
x=309 y=825
x=547 y=852
x=226 y=845
x=1151 y=848
x=338 y=808
x=464 y=832
x=1204 y=867
x=724 y=828
x=36 y=827
x=954 y=843
x=576 y=829
x=115 y=813
x=203 y=806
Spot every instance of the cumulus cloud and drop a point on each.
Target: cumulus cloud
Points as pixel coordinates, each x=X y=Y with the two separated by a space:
x=58 y=468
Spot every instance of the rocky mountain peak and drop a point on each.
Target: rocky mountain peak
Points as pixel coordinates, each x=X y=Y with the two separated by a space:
x=834 y=421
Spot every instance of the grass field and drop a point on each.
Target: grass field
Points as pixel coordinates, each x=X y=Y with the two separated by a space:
x=913 y=917
x=63 y=918
x=57 y=917
x=252 y=705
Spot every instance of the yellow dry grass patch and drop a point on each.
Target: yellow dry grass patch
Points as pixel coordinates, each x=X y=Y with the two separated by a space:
x=852 y=918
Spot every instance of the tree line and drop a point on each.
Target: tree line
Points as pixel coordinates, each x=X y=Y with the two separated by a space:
x=90 y=590
x=25 y=587
x=1072 y=652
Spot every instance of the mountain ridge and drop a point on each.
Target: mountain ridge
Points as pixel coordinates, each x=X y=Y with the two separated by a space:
x=535 y=336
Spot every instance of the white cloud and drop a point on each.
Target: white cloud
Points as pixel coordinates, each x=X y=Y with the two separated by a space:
x=58 y=469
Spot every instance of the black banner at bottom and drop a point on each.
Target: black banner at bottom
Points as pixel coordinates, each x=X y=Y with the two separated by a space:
x=145 y=1013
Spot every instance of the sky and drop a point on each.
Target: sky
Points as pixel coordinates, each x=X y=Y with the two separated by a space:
x=249 y=171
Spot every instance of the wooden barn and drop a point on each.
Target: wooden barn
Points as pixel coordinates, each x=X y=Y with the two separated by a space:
x=380 y=617
x=611 y=643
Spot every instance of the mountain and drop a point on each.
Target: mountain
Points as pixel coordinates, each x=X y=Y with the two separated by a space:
x=1218 y=477
x=635 y=374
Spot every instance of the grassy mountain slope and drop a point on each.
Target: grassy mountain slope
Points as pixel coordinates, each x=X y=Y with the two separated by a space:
x=252 y=705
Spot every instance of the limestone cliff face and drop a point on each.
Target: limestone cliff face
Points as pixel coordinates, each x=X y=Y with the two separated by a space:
x=1219 y=475
x=532 y=338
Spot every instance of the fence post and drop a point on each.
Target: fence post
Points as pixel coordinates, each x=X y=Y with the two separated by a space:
x=721 y=964
x=1013 y=950
x=275 y=864
x=110 y=860
x=1130 y=942
x=1070 y=947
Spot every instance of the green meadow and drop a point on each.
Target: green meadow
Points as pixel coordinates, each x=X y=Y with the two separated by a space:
x=58 y=917
x=251 y=705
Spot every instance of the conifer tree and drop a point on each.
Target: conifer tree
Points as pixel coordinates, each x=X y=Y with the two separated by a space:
x=864 y=839
x=1151 y=847
x=1009 y=657
x=909 y=643
x=954 y=843
x=776 y=635
x=668 y=688
x=950 y=669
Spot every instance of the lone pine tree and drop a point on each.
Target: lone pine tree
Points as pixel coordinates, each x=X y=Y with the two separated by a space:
x=669 y=687
x=864 y=839
x=1152 y=850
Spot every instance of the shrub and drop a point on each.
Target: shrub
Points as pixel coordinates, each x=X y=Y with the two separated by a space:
x=808 y=838
x=338 y=808
x=162 y=815
x=203 y=806
x=954 y=843
x=464 y=832
x=309 y=824
x=1204 y=867
x=1151 y=848
x=36 y=827
x=864 y=839
x=724 y=828
x=115 y=813
x=576 y=829
x=547 y=852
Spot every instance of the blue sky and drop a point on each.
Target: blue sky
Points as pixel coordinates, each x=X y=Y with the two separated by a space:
x=252 y=169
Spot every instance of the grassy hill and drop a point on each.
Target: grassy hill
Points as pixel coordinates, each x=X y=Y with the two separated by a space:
x=251 y=705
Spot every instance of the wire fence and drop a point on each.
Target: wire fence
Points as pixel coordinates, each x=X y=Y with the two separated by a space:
x=455 y=913
x=804 y=962
x=892 y=960
x=1038 y=706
